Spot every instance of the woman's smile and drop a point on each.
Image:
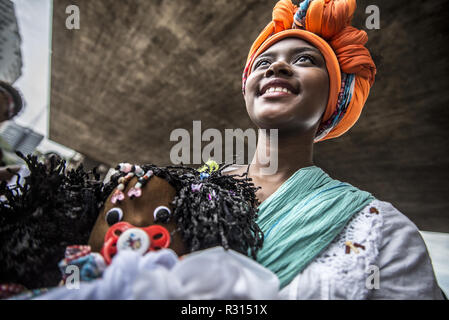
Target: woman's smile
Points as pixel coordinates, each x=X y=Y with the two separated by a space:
x=278 y=88
x=276 y=93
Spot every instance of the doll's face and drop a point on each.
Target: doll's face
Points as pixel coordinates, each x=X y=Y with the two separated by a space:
x=139 y=212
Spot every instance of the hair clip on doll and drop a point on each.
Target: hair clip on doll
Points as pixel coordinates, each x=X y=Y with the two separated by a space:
x=136 y=191
x=131 y=171
x=210 y=166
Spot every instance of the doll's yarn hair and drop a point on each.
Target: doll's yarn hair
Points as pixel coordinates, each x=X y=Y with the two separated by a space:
x=52 y=209
x=217 y=210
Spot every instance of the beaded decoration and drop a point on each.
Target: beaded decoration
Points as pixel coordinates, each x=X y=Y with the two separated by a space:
x=136 y=191
x=130 y=171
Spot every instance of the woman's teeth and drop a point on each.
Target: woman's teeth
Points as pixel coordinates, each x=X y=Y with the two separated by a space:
x=278 y=89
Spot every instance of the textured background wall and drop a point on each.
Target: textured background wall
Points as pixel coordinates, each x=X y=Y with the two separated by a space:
x=137 y=69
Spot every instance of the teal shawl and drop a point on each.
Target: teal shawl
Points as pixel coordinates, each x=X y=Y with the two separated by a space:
x=302 y=218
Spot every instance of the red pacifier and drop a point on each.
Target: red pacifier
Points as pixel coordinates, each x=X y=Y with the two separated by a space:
x=125 y=236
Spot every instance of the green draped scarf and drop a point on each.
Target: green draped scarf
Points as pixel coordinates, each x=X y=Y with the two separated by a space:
x=302 y=218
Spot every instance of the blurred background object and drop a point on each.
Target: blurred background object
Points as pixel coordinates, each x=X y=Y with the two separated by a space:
x=25 y=41
x=10 y=55
x=438 y=247
x=11 y=102
x=20 y=138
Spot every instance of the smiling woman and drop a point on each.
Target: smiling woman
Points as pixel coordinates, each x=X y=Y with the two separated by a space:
x=288 y=87
x=308 y=74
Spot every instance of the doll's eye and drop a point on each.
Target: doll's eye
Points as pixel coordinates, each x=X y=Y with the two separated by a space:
x=114 y=215
x=162 y=214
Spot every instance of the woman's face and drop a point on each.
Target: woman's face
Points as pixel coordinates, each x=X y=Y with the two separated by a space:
x=297 y=72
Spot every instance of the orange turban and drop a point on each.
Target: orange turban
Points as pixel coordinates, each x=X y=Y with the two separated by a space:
x=326 y=25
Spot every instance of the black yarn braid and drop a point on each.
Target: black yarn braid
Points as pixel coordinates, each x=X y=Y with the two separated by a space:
x=53 y=209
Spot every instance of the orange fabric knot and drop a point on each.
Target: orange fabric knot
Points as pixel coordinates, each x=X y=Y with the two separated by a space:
x=351 y=53
x=328 y=17
x=283 y=13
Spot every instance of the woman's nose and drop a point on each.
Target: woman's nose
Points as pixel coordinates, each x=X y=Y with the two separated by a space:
x=279 y=68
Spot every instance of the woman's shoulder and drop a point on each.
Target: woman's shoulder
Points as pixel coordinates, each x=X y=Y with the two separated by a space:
x=396 y=228
x=382 y=220
x=405 y=265
x=392 y=216
x=402 y=260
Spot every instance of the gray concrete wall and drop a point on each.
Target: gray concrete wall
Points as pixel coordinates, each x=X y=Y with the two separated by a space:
x=137 y=69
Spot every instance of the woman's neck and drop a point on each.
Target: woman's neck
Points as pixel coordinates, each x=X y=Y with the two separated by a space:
x=276 y=160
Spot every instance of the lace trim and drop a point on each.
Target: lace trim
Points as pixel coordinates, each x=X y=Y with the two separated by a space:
x=349 y=270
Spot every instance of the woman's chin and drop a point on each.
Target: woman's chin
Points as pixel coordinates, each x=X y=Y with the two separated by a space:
x=271 y=122
x=270 y=116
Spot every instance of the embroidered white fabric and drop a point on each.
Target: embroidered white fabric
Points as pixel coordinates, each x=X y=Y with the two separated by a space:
x=392 y=245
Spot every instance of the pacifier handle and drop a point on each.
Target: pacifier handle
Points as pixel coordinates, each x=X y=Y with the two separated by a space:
x=109 y=248
x=159 y=237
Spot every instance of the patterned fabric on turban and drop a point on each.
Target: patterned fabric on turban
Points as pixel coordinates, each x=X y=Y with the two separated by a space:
x=326 y=25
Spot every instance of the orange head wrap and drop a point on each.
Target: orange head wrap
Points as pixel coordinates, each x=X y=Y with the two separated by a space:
x=326 y=25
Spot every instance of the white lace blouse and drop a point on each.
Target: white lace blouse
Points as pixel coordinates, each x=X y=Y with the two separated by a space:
x=389 y=261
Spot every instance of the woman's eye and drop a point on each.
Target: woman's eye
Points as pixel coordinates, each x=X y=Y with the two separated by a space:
x=305 y=59
x=162 y=214
x=262 y=63
x=113 y=216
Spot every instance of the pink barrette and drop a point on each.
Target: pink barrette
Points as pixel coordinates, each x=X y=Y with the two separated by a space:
x=196 y=187
x=134 y=192
x=117 y=196
x=125 y=167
